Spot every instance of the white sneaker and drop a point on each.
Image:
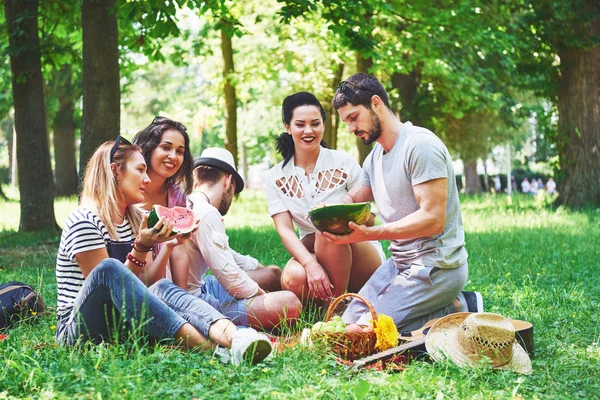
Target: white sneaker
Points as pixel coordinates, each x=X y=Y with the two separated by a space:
x=222 y=353
x=250 y=346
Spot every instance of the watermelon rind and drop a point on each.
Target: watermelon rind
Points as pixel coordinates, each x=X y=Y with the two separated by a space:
x=153 y=218
x=334 y=218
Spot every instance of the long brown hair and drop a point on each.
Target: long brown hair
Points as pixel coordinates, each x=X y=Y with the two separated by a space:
x=100 y=191
x=149 y=138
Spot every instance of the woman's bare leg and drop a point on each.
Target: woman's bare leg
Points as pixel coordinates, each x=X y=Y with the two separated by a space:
x=336 y=259
x=365 y=261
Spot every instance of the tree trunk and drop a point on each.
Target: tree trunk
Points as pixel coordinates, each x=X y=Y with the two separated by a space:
x=8 y=126
x=243 y=169
x=101 y=86
x=36 y=186
x=65 y=170
x=407 y=90
x=362 y=66
x=230 y=95
x=579 y=124
x=472 y=184
x=486 y=177
x=332 y=122
x=14 y=178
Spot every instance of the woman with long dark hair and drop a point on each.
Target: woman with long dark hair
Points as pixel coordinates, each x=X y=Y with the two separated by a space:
x=310 y=175
x=165 y=146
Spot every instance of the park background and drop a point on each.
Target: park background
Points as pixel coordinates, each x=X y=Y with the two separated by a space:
x=510 y=86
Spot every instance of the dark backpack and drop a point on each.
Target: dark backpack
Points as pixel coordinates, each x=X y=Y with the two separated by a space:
x=18 y=300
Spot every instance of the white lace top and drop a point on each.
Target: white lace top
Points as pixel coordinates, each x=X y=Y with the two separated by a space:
x=289 y=189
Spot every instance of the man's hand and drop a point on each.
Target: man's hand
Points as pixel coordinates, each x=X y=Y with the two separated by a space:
x=360 y=233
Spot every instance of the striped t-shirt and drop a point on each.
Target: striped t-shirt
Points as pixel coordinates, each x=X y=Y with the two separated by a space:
x=83 y=231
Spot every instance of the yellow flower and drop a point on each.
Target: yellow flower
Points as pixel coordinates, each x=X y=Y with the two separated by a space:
x=265 y=370
x=53 y=327
x=323 y=372
x=386 y=332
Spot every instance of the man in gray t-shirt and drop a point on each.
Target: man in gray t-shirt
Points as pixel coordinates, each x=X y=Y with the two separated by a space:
x=410 y=177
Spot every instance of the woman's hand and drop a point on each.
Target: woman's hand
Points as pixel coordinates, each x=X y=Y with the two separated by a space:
x=161 y=232
x=318 y=281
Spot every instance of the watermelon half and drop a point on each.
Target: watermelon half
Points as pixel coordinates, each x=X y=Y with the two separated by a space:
x=335 y=218
x=183 y=218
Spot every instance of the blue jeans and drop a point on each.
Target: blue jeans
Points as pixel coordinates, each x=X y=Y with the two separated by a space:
x=114 y=301
x=194 y=310
x=214 y=294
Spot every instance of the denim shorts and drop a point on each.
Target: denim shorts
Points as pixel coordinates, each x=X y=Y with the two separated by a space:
x=214 y=294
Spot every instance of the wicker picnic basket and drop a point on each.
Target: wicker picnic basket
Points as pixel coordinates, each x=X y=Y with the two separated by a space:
x=349 y=345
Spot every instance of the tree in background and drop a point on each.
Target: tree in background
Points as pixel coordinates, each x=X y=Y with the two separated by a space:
x=101 y=87
x=60 y=31
x=229 y=29
x=564 y=65
x=33 y=156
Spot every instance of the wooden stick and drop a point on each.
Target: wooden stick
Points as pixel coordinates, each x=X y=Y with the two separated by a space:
x=387 y=354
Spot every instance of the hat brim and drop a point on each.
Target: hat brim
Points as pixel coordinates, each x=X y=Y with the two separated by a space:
x=441 y=342
x=222 y=165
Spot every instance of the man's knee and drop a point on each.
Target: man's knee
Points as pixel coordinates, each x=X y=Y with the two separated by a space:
x=291 y=304
x=273 y=272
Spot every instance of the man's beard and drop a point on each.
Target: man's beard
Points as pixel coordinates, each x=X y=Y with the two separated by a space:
x=226 y=200
x=374 y=131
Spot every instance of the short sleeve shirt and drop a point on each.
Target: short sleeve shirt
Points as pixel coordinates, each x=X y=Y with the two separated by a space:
x=290 y=190
x=418 y=156
x=83 y=231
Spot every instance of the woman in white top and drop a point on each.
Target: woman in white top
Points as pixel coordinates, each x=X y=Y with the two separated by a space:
x=311 y=175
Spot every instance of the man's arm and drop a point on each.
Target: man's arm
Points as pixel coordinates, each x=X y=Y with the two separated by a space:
x=214 y=245
x=428 y=220
x=358 y=194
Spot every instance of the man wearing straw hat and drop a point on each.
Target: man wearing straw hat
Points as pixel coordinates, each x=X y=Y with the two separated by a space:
x=409 y=175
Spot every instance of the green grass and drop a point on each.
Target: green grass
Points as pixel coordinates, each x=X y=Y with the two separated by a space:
x=529 y=262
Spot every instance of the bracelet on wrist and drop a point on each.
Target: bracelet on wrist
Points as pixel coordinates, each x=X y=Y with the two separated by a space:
x=137 y=262
x=142 y=248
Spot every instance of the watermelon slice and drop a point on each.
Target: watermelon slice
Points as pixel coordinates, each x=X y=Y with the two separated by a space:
x=182 y=218
x=335 y=218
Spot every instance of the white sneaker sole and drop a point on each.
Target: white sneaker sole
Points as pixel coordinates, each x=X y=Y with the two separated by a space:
x=258 y=351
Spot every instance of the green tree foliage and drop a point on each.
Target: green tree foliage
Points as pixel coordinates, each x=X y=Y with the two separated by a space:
x=563 y=65
x=444 y=62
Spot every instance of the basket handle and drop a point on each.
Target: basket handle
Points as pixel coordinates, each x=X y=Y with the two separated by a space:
x=338 y=299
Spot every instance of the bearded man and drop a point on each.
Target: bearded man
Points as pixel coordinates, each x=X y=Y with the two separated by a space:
x=239 y=286
x=410 y=177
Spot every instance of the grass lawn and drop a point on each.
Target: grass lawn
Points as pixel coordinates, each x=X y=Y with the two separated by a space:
x=529 y=262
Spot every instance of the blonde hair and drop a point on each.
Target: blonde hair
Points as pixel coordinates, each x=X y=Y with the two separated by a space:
x=100 y=191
